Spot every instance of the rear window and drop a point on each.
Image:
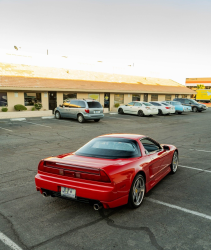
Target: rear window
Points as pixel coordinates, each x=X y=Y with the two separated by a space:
x=147 y=104
x=156 y=104
x=110 y=148
x=94 y=105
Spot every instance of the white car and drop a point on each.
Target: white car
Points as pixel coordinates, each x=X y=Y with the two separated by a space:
x=138 y=108
x=162 y=109
x=172 y=108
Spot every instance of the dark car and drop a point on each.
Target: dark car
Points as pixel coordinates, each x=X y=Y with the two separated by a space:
x=195 y=106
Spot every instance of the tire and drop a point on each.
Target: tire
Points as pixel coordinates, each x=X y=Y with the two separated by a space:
x=97 y=120
x=160 y=112
x=120 y=111
x=57 y=115
x=174 y=163
x=179 y=113
x=80 y=118
x=137 y=191
x=194 y=109
x=140 y=113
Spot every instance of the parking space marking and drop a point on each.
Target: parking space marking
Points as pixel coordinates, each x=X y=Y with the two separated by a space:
x=38 y=124
x=9 y=242
x=200 y=150
x=6 y=129
x=199 y=169
x=180 y=208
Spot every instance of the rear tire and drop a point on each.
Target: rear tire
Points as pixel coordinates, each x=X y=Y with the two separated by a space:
x=137 y=192
x=57 y=115
x=174 y=163
x=120 y=111
x=194 y=109
x=80 y=118
x=140 y=113
x=160 y=112
x=97 y=120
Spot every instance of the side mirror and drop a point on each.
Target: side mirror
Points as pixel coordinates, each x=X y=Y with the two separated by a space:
x=60 y=105
x=166 y=147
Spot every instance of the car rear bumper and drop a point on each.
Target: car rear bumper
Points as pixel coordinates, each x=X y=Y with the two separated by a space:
x=92 y=116
x=85 y=191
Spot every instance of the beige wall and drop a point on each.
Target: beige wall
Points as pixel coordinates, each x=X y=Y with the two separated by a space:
x=44 y=100
x=112 y=102
x=102 y=99
x=59 y=98
x=12 y=99
x=149 y=98
x=127 y=98
x=82 y=95
x=161 y=97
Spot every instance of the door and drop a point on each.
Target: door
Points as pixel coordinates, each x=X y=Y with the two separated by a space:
x=52 y=100
x=129 y=108
x=107 y=101
x=153 y=151
x=145 y=97
x=137 y=106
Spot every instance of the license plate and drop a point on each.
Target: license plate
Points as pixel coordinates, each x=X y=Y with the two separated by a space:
x=96 y=112
x=68 y=192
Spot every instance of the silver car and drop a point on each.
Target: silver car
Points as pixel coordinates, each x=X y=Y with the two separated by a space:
x=80 y=109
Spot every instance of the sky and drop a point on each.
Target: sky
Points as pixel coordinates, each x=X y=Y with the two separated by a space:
x=159 y=38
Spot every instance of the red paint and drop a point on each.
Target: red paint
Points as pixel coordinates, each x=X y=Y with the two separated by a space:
x=105 y=180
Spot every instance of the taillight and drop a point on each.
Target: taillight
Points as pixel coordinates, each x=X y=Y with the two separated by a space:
x=87 y=110
x=167 y=107
x=41 y=165
x=93 y=174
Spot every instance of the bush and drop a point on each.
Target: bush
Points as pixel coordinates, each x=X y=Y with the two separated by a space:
x=33 y=109
x=4 y=109
x=116 y=105
x=19 y=107
x=38 y=105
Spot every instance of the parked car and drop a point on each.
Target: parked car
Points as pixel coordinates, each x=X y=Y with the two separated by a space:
x=110 y=170
x=196 y=107
x=138 y=108
x=179 y=108
x=80 y=109
x=162 y=109
x=171 y=107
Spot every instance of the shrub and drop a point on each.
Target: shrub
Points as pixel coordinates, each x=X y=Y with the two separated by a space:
x=4 y=109
x=116 y=105
x=38 y=105
x=33 y=109
x=19 y=107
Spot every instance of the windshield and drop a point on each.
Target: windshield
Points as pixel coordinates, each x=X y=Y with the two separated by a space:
x=166 y=104
x=111 y=148
x=193 y=101
x=147 y=104
x=94 y=105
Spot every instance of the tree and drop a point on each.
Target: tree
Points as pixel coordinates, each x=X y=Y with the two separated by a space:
x=200 y=86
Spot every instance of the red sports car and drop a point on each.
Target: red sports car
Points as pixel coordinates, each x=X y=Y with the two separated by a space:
x=110 y=170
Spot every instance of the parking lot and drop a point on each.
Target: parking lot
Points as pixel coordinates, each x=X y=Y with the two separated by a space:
x=176 y=213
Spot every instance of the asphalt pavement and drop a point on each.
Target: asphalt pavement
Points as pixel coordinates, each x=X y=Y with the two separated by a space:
x=175 y=214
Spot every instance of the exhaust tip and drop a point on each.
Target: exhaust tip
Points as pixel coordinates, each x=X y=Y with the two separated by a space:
x=45 y=194
x=97 y=207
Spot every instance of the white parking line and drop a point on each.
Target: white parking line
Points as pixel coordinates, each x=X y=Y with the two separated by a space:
x=200 y=150
x=9 y=242
x=6 y=129
x=199 y=169
x=180 y=208
x=38 y=124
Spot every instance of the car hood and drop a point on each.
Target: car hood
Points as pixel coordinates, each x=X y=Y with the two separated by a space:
x=76 y=160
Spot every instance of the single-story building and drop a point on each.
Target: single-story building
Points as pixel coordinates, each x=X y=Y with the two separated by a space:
x=23 y=84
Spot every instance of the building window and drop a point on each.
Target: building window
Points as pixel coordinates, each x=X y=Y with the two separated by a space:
x=167 y=97
x=118 y=98
x=154 y=98
x=94 y=96
x=184 y=96
x=176 y=96
x=69 y=96
x=3 y=98
x=31 y=98
x=136 y=98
